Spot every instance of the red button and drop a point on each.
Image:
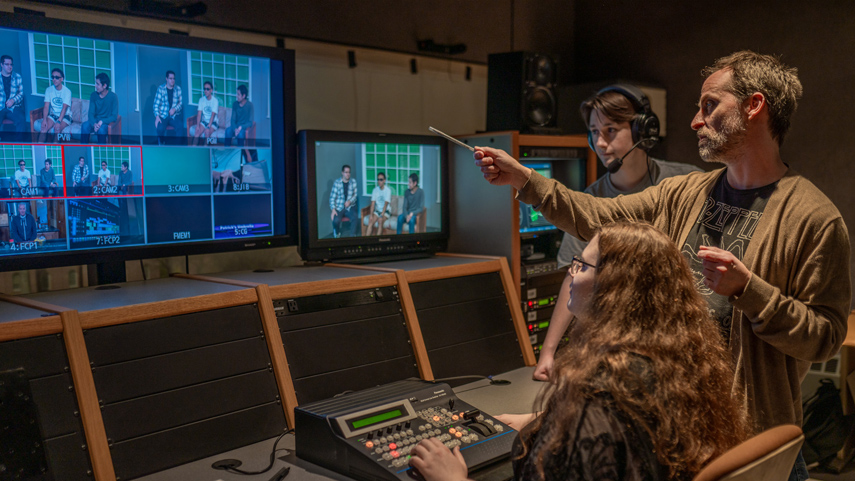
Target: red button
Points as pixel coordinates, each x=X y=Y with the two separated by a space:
x=393 y=446
x=369 y=444
x=394 y=454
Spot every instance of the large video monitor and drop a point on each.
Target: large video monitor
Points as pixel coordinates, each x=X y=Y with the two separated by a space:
x=120 y=144
x=369 y=196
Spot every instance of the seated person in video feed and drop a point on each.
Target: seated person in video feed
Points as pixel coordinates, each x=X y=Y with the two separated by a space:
x=22 y=178
x=242 y=115
x=80 y=178
x=167 y=108
x=103 y=110
x=104 y=175
x=126 y=180
x=414 y=203
x=47 y=180
x=206 y=115
x=381 y=196
x=23 y=226
x=11 y=95
x=57 y=112
x=343 y=203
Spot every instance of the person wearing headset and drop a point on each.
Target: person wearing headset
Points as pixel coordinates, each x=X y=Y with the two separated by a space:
x=622 y=128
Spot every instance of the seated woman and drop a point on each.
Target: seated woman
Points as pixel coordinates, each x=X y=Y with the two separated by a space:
x=642 y=391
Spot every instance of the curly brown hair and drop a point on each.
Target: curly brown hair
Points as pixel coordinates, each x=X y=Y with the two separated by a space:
x=644 y=303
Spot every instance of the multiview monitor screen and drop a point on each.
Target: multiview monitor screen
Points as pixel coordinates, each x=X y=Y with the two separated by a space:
x=131 y=145
x=372 y=194
x=532 y=221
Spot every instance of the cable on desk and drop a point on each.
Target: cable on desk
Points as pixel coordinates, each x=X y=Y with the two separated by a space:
x=501 y=382
x=231 y=465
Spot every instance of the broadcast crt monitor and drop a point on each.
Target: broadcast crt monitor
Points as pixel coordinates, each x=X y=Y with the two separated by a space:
x=370 y=196
x=119 y=144
x=532 y=221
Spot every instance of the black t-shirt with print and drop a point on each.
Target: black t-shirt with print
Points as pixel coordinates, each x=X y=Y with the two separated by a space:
x=727 y=221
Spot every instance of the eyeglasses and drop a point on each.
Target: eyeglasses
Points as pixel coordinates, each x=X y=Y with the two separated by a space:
x=576 y=265
x=7 y=64
x=208 y=88
x=55 y=77
x=381 y=180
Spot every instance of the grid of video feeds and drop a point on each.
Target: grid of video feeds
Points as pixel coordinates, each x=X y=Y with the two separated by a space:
x=109 y=144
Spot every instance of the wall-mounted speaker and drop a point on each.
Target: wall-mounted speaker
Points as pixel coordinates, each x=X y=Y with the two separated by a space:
x=522 y=92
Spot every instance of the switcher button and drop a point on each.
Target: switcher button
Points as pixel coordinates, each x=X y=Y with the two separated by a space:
x=395 y=454
x=369 y=445
x=393 y=446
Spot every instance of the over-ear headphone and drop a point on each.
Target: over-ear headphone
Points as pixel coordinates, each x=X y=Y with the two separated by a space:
x=645 y=126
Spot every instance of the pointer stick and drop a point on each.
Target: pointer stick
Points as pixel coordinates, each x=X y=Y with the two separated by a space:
x=443 y=134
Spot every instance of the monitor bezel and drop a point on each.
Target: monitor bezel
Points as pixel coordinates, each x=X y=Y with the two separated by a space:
x=288 y=169
x=314 y=249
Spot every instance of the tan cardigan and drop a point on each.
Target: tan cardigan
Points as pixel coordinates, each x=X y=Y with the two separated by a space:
x=793 y=311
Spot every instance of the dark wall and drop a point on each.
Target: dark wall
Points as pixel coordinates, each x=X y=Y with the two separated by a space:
x=485 y=26
x=669 y=42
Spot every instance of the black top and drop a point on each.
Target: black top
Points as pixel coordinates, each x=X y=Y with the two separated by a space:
x=604 y=444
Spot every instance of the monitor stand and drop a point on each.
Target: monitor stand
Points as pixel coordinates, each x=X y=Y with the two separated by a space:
x=106 y=273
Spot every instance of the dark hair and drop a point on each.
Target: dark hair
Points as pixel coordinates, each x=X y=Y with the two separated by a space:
x=345 y=166
x=82 y=158
x=125 y=164
x=614 y=105
x=104 y=79
x=243 y=90
x=645 y=305
x=207 y=82
x=61 y=73
x=415 y=178
x=381 y=173
x=103 y=162
x=48 y=161
x=170 y=72
x=753 y=72
x=4 y=57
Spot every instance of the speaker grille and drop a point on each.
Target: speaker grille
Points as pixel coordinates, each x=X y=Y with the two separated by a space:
x=540 y=107
x=521 y=92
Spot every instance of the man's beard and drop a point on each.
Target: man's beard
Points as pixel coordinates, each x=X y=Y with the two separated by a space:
x=720 y=144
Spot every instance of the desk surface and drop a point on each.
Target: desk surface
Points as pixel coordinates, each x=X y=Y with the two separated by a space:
x=293 y=275
x=429 y=263
x=517 y=397
x=131 y=293
x=10 y=312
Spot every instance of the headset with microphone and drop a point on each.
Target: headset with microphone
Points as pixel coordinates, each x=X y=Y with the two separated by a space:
x=645 y=125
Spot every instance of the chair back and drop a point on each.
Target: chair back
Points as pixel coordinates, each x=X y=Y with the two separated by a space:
x=768 y=456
